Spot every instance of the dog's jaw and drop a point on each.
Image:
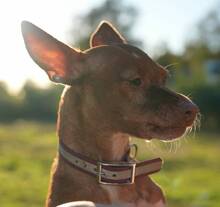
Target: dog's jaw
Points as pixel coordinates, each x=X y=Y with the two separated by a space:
x=162 y=133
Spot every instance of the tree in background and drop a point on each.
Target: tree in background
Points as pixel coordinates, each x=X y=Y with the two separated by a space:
x=40 y=104
x=189 y=70
x=122 y=16
x=32 y=103
x=203 y=46
x=208 y=30
x=9 y=105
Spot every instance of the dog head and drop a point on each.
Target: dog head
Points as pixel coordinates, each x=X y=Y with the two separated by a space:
x=123 y=87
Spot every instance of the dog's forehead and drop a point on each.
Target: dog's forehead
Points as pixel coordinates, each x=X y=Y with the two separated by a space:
x=112 y=52
x=124 y=57
x=107 y=55
x=105 y=51
x=134 y=51
x=143 y=59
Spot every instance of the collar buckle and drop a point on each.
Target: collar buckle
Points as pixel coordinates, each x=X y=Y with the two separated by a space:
x=102 y=179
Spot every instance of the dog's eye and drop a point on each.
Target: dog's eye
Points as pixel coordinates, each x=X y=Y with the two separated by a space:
x=135 y=82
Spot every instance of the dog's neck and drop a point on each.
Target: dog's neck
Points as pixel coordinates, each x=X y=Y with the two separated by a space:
x=88 y=135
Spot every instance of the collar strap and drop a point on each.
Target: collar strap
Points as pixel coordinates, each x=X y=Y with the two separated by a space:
x=110 y=173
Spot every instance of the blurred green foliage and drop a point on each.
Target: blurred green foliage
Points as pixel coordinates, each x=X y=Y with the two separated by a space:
x=122 y=15
x=32 y=103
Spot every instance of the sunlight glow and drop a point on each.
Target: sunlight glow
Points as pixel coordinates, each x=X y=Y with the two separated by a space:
x=53 y=16
x=158 y=21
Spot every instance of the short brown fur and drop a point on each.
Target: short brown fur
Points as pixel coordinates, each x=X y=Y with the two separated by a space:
x=114 y=91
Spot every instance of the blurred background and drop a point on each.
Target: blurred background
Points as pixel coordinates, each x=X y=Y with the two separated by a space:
x=183 y=36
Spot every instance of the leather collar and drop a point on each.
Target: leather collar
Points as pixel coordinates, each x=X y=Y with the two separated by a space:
x=113 y=173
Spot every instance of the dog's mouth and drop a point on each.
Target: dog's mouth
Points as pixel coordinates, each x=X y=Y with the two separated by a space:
x=152 y=131
x=155 y=131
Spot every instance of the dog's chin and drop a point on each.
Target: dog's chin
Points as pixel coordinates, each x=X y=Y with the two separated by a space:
x=162 y=133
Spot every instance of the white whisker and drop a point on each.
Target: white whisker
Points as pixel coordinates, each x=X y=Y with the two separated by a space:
x=170 y=65
x=172 y=146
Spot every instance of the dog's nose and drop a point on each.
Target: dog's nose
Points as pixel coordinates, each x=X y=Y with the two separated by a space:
x=190 y=111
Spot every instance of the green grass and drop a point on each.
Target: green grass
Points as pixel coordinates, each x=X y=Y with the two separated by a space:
x=190 y=176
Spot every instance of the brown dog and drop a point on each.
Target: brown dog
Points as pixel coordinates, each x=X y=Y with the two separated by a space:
x=114 y=90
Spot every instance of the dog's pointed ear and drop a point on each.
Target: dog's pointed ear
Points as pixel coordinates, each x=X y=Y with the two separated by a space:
x=60 y=62
x=106 y=34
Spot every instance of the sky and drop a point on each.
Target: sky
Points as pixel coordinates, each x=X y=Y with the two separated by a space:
x=158 y=21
